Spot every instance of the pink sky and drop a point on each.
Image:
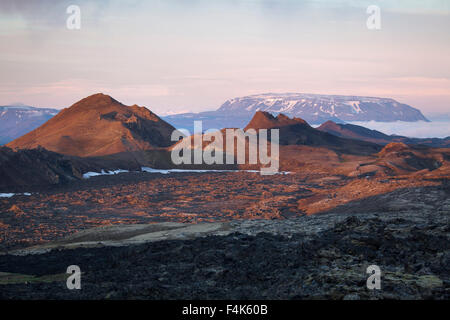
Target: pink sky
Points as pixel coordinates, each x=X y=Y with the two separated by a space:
x=175 y=56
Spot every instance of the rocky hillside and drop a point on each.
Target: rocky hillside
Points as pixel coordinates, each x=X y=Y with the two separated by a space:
x=96 y=126
x=297 y=131
x=36 y=167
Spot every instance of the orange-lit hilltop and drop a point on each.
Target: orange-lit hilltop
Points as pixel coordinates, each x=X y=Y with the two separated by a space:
x=96 y=126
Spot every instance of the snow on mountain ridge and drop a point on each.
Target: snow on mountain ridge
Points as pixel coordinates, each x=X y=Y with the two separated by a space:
x=17 y=120
x=319 y=108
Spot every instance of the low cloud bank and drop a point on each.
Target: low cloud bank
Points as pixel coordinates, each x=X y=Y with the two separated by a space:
x=419 y=129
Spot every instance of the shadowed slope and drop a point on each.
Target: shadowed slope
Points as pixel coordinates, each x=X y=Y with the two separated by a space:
x=99 y=125
x=351 y=131
x=297 y=131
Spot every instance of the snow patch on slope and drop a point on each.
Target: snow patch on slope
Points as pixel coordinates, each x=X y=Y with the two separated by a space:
x=87 y=175
x=9 y=195
x=168 y=171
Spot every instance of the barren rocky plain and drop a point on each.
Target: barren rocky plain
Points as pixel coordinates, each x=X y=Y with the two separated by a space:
x=236 y=235
x=137 y=198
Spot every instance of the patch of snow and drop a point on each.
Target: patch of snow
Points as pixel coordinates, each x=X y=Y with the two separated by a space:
x=354 y=105
x=270 y=102
x=163 y=171
x=250 y=107
x=87 y=175
x=35 y=113
x=9 y=195
x=151 y=170
x=288 y=105
x=6 y=195
x=167 y=171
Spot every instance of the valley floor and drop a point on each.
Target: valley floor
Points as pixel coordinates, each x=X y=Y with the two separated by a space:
x=322 y=256
x=228 y=236
x=142 y=198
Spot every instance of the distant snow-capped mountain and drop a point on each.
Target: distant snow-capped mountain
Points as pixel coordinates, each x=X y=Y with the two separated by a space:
x=314 y=108
x=317 y=108
x=18 y=119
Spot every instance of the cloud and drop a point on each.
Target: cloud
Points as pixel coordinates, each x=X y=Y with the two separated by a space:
x=420 y=129
x=173 y=112
x=186 y=53
x=81 y=85
x=428 y=86
x=72 y=90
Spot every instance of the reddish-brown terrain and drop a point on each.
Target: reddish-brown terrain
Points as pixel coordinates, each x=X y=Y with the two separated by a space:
x=96 y=126
x=139 y=197
x=297 y=131
x=343 y=205
x=327 y=172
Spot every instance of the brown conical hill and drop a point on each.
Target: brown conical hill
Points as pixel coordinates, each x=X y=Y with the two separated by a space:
x=96 y=126
x=297 y=131
x=400 y=158
x=394 y=147
x=265 y=120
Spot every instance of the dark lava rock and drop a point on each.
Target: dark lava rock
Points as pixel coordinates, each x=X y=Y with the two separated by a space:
x=413 y=256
